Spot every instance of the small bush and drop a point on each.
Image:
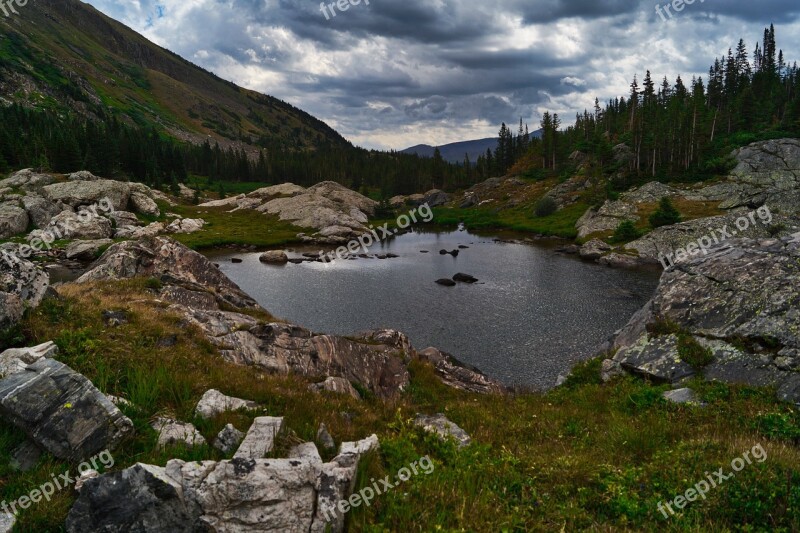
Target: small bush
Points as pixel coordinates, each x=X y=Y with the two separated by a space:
x=665 y=215
x=545 y=207
x=625 y=232
x=690 y=351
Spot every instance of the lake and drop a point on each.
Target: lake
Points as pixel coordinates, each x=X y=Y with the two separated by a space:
x=534 y=313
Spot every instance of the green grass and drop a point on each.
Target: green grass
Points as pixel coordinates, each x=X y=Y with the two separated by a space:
x=558 y=224
x=244 y=227
x=587 y=456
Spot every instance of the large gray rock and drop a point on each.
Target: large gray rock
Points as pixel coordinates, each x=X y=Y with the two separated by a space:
x=186 y=225
x=142 y=203
x=84 y=225
x=40 y=211
x=740 y=301
x=86 y=250
x=84 y=193
x=594 y=249
x=22 y=285
x=228 y=439
x=13 y=220
x=61 y=411
x=27 y=180
x=436 y=198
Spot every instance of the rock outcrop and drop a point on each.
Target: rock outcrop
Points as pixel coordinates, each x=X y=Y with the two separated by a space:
x=442 y=427
x=740 y=303
x=207 y=299
x=336 y=213
x=293 y=495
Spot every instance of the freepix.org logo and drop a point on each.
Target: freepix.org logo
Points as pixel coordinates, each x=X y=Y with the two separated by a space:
x=7 y=6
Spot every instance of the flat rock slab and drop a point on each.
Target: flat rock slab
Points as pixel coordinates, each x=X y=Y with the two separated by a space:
x=214 y=403
x=260 y=438
x=682 y=396
x=444 y=428
x=17 y=359
x=61 y=411
x=655 y=357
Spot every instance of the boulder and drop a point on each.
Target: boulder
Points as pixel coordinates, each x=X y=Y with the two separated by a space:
x=86 y=250
x=228 y=440
x=27 y=180
x=40 y=210
x=443 y=428
x=276 y=191
x=186 y=225
x=142 y=203
x=86 y=225
x=22 y=285
x=616 y=260
x=446 y=282
x=122 y=219
x=260 y=438
x=437 y=198
x=83 y=193
x=214 y=403
x=306 y=451
x=172 y=432
x=336 y=386
x=82 y=175
x=61 y=411
x=276 y=257
x=13 y=220
x=132 y=232
x=594 y=249
x=744 y=310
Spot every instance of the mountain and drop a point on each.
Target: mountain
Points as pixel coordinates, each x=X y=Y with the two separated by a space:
x=66 y=55
x=454 y=152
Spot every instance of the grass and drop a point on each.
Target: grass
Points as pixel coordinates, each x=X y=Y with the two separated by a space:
x=586 y=456
x=242 y=228
x=558 y=224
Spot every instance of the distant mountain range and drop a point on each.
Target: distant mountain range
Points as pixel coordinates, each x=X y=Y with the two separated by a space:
x=454 y=152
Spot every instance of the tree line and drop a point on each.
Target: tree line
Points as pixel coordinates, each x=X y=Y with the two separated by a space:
x=677 y=129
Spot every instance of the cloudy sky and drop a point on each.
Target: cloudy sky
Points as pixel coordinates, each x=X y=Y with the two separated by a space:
x=396 y=73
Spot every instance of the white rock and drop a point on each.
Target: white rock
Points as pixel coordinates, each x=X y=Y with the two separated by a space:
x=173 y=432
x=214 y=402
x=16 y=359
x=260 y=438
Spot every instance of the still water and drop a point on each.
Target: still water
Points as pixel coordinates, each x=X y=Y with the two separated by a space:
x=534 y=313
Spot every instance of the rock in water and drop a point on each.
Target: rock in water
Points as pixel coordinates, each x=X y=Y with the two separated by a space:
x=465 y=278
x=446 y=282
x=275 y=257
x=61 y=411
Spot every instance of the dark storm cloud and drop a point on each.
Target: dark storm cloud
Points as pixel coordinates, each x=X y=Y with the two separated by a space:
x=399 y=72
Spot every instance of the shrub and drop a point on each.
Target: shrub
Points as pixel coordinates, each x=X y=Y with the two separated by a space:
x=545 y=207
x=626 y=231
x=665 y=215
x=690 y=351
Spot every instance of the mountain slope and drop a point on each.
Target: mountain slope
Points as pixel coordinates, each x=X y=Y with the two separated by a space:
x=64 y=54
x=454 y=152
